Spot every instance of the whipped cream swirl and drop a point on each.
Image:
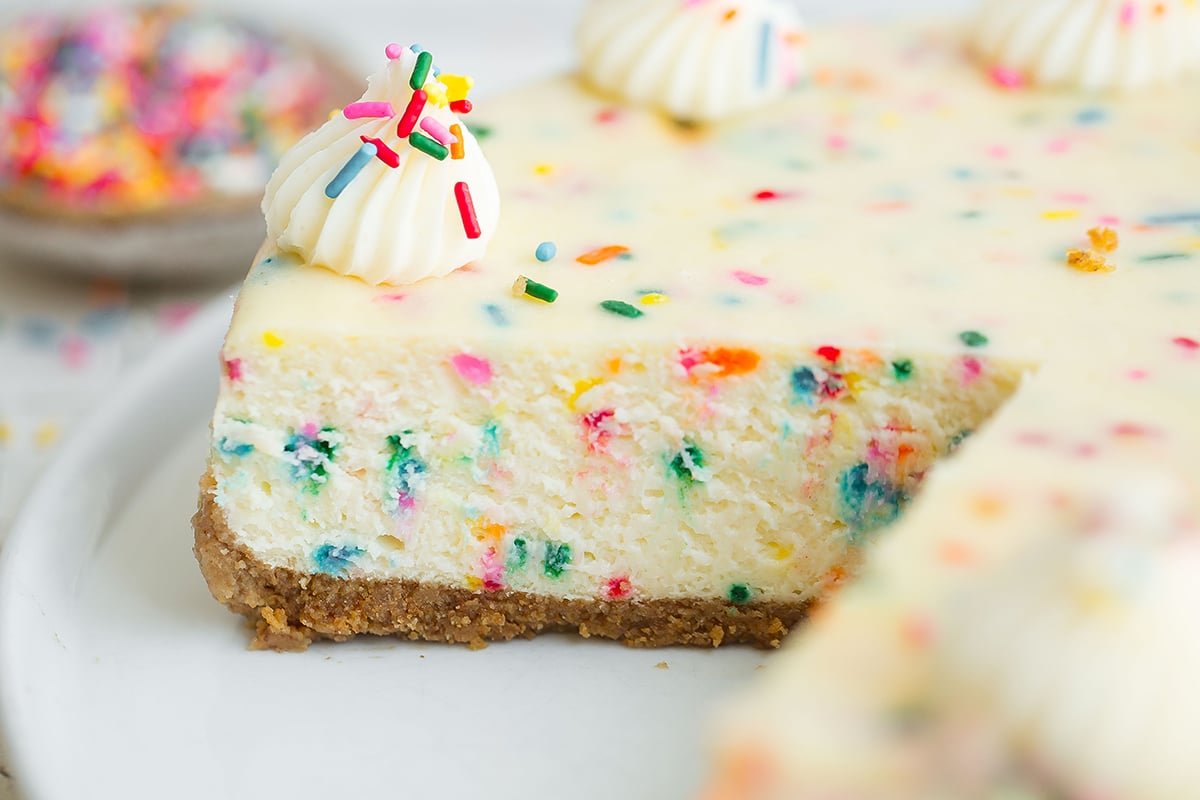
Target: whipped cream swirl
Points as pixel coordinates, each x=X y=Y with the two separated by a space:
x=392 y=223
x=1094 y=45
x=696 y=60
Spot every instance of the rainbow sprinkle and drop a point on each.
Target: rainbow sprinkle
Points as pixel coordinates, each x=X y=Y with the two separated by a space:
x=350 y=170
x=527 y=287
x=366 y=110
x=466 y=210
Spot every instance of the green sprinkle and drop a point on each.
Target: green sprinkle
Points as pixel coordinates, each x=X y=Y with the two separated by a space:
x=687 y=463
x=973 y=338
x=428 y=146
x=621 y=309
x=1162 y=257
x=480 y=131
x=739 y=594
x=558 y=556
x=517 y=555
x=526 y=287
x=420 y=72
x=903 y=369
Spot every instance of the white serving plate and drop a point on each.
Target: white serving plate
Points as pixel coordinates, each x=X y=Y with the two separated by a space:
x=121 y=677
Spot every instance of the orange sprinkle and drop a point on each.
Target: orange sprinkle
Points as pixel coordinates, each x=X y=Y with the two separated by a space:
x=602 y=254
x=732 y=361
x=730 y=14
x=456 y=149
x=917 y=632
x=987 y=506
x=485 y=530
x=833 y=579
x=614 y=365
x=955 y=552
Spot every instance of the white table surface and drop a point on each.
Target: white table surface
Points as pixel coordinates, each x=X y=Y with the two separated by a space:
x=65 y=342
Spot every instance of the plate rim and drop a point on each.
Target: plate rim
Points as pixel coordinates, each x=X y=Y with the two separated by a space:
x=78 y=448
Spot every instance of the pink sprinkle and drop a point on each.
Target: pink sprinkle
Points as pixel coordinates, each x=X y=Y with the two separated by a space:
x=438 y=131
x=1132 y=430
x=1033 y=438
x=392 y=297
x=749 y=278
x=1109 y=220
x=1007 y=77
x=618 y=588
x=998 y=151
x=1138 y=374
x=1072 y=198
x=472 y=369
x=233 y=369
x=1059 y=146
x=837 y=141
x=491 y=570
x=76 y=351
x=310 y=430
x=364 y=110
x=971 y=369
x=393 y=51
x=1128 y=14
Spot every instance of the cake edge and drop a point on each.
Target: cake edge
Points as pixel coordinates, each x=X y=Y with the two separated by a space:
x=291 y=609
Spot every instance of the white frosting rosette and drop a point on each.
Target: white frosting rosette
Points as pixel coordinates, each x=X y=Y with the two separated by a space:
x=696 y=60
x=1093 y=45
x=357 y=197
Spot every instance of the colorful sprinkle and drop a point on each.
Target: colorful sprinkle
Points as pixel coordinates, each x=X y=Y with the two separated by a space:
x=457 y=148
x=556 y=559
x=618 y=588
x=235 y=449
x=368 y=110
x=384 y=153
x=527 y=287
x=1007 y=77
x=466 y=210
x=739 y=594
x=421 y=68
x=351 y=169
x=621 y=309
x=902 y=369
x=868 y=502
x=546 y=251
x=687 y=466
x=412 y=112
x=472 y=369
x=518 y=555
x=335 y=560
x=270 y=339
x=428 y=146
x=438 y=131
x=602 y=254
x=393 y=51
x=309 y=453
x=764 y=53
x=404 y=475
x=461 y=106
x=457 y=86
x=750 y=278
x=973 y=339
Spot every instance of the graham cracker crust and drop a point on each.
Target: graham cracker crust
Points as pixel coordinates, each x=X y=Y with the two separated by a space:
x=290 y=609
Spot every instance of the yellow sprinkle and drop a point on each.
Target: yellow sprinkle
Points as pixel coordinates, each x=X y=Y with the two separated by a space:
x=1019 y=191
x=5 y=433
x=779 y=552
x=655 y=299
x=889 y=120
x=271 y=340
x=457 y=86
x=1192 y=244
x=46 y=435
x=474 y=583
x=854 y=382
x=581 y=387
x=1065 y=213
x=436 y=95
x=334 y=113
x=544 y=169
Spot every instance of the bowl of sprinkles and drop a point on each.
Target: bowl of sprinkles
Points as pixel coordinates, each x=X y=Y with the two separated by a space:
x=138 y=140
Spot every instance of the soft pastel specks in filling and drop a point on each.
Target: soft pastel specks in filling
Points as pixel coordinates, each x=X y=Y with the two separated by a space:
x=404 y=476
x=336 y=559
x=308 y=454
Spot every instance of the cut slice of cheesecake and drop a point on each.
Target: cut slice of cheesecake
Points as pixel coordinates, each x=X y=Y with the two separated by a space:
x=751 y=361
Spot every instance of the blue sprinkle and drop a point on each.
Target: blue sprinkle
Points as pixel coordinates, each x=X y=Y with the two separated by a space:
x=805 y=385
x=868 y=504
x=546 y=251
x=102 y=321
x=336 y=559
x=1091 y=116
x=39 y=330
x=496 y=315
x=963 y=173
x=238 y=449
x=347 y=173
x=730 y=300
x=416 y=48
x=1174 y=219
x=764 y=54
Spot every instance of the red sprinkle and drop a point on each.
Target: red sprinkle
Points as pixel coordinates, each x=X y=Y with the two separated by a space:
x=408 y=122
x=618 y=588
x=463 y=106
x=1187 y=343
x=830 y=354
x=466 y=209
x=385 y=154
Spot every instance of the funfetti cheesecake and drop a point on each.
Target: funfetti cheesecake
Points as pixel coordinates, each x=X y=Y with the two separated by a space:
x=581 y=359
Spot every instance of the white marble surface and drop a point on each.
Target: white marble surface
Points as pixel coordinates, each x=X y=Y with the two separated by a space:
x=65 y=342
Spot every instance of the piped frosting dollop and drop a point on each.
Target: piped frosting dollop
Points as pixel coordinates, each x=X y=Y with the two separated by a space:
x=1094 y=45
x=695 y=60
x=392 y=189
